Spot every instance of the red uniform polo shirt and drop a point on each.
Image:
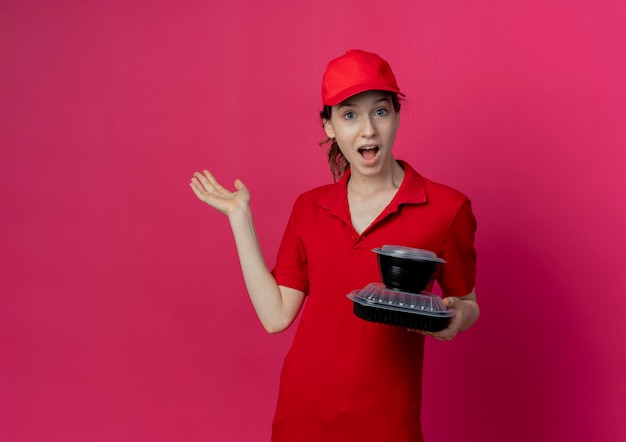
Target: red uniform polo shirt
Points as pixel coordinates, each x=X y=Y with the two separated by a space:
x=346 y=379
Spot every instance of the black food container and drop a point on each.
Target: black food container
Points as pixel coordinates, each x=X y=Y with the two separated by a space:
x=419 y=311
x=406 y=268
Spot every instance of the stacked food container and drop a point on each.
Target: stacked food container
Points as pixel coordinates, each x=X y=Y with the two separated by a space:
x=401 y=299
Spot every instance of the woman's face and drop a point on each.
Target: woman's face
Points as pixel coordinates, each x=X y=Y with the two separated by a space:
x=364 y=127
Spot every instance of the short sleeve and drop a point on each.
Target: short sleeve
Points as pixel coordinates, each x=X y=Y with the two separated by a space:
x=458 y=274
x=291 y=268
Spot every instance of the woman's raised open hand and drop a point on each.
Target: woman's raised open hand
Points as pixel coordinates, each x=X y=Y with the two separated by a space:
x=208 y=190
x=276 y=306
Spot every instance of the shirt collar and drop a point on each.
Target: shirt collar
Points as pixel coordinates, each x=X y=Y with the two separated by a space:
x=411 y=191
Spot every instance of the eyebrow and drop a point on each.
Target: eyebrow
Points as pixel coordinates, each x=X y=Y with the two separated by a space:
x=349 y=103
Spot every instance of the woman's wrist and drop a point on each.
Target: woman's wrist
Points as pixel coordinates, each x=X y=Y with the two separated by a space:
x=240 y=215
x=471 y=311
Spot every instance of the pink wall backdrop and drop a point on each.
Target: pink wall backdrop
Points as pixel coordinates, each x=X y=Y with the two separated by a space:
x=123 y=316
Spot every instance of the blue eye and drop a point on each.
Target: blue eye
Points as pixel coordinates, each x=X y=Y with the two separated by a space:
x=349 y=115
x=381 y=112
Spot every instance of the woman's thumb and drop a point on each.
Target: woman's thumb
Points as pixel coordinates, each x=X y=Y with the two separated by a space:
x=239 y=184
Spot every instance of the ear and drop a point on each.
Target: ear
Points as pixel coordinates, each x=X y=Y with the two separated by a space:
x=328 y=127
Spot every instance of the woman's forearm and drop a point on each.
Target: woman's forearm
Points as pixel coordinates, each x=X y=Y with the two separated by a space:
x=275 y=308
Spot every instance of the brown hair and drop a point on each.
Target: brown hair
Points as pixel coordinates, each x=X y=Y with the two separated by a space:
x=337 y=162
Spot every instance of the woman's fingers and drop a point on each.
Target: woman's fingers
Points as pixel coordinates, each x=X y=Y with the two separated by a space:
x=211 y=179
x=455 y=322
x=204 y=181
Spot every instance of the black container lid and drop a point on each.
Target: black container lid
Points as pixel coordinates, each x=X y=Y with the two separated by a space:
x=408 y=253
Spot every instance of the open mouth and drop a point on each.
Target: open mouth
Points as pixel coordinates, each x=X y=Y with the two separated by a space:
x=369 y=152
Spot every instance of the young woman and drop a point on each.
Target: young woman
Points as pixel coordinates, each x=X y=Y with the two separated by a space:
x=346 y=379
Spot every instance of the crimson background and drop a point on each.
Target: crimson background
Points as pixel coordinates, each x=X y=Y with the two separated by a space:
x=122 y=311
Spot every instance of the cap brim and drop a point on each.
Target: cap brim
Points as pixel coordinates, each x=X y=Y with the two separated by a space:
x=357 y=89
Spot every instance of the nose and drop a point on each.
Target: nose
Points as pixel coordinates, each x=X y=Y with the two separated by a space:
x=368 y=127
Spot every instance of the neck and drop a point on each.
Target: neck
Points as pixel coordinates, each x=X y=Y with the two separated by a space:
x=389 y=178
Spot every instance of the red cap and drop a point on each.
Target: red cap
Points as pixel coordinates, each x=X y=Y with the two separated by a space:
x=354 y=72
